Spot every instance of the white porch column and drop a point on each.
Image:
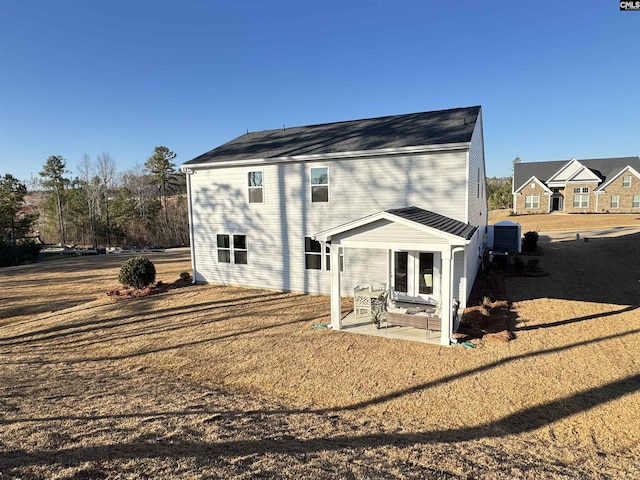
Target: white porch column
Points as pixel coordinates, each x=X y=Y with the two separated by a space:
x=336 y=300
x=445 y=301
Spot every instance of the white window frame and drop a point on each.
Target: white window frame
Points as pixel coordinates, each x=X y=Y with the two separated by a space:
x=615 y=201
x=251 y=188
x=308 y=254
x=235 y=250
x=532 y=201
x=224 y=248
x=232 y=249
x=325 y=256
x=580 y=194
x=626 y=181
x=319 y=185
x=635 y=201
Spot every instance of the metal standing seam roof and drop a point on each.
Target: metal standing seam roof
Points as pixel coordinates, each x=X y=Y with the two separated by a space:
x=408 y=130
x=435 y=220
x=605 y=168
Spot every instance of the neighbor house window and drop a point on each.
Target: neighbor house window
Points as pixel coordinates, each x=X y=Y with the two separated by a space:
x=581 y=197
x=615 y=201
x=532 y=201
x=626 y=181
x=256 y=195
x=320 y=184
x=636 y=201
x=232 y=247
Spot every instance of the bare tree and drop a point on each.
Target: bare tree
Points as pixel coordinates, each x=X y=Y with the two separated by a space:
x=106 y=168
x=91 y=185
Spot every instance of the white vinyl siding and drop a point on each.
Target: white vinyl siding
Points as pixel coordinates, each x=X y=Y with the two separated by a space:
x=476 y=213
x=433 y=181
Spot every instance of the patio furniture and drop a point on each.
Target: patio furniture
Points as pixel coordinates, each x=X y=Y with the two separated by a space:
x=364 y=296
x=419 y=316
x=379 y=308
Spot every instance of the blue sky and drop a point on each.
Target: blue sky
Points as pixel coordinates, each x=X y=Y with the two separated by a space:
x=556 y=80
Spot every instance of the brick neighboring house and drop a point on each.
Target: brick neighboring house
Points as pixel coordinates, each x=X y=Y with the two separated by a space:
x=598 y=185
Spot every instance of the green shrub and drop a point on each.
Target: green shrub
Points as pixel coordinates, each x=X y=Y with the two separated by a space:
x=137 y=272
x=185 y=276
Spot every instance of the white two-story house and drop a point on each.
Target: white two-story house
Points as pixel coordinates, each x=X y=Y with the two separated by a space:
x=399 y=200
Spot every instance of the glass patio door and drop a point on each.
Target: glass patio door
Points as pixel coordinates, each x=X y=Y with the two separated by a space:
x=413 y=274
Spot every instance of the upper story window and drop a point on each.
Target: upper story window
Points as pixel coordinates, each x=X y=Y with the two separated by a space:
x=626 y=181
x=320 y=184
x=232 y=247
x=256 y=193
x=581 y=190
x=635 y=203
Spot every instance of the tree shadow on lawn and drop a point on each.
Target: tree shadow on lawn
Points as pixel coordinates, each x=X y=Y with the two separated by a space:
x=274 y=442
x=58 y=332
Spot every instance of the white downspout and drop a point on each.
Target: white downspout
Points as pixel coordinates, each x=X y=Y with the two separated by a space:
x=453 y=252
x=190 y=172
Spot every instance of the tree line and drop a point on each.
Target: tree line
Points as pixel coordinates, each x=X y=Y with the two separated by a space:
x=96 y=207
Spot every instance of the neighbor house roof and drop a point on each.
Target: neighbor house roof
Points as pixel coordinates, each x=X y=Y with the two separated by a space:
x=398 y=131
x=604 y=168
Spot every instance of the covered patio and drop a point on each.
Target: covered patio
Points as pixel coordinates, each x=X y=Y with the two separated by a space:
x=425 y=265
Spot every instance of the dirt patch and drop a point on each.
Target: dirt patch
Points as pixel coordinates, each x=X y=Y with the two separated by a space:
x=221 y=382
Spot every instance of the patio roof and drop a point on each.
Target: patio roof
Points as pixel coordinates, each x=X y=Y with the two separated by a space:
x=414 y=217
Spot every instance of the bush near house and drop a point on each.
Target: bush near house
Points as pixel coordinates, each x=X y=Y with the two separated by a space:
x=137 y=272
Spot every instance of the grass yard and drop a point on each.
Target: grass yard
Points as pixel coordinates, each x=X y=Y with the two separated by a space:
x=218 y=382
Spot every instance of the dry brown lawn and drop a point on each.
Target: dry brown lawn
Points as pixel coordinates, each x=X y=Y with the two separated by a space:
x=220 y=382
x=567 y=222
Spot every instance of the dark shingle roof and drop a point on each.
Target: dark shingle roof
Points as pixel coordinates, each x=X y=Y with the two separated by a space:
x=605 y=168
x=414 y=129
x=435 y=220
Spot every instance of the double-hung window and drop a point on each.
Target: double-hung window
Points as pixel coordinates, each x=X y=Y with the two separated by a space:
x=232 y=249
x=636 y=201
x=320 y=185
x=615 y=201
x=626 y=181
x=581 y=197
x=532 y=201
x=312 y=254
x=256 y=193
x=317 y=259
